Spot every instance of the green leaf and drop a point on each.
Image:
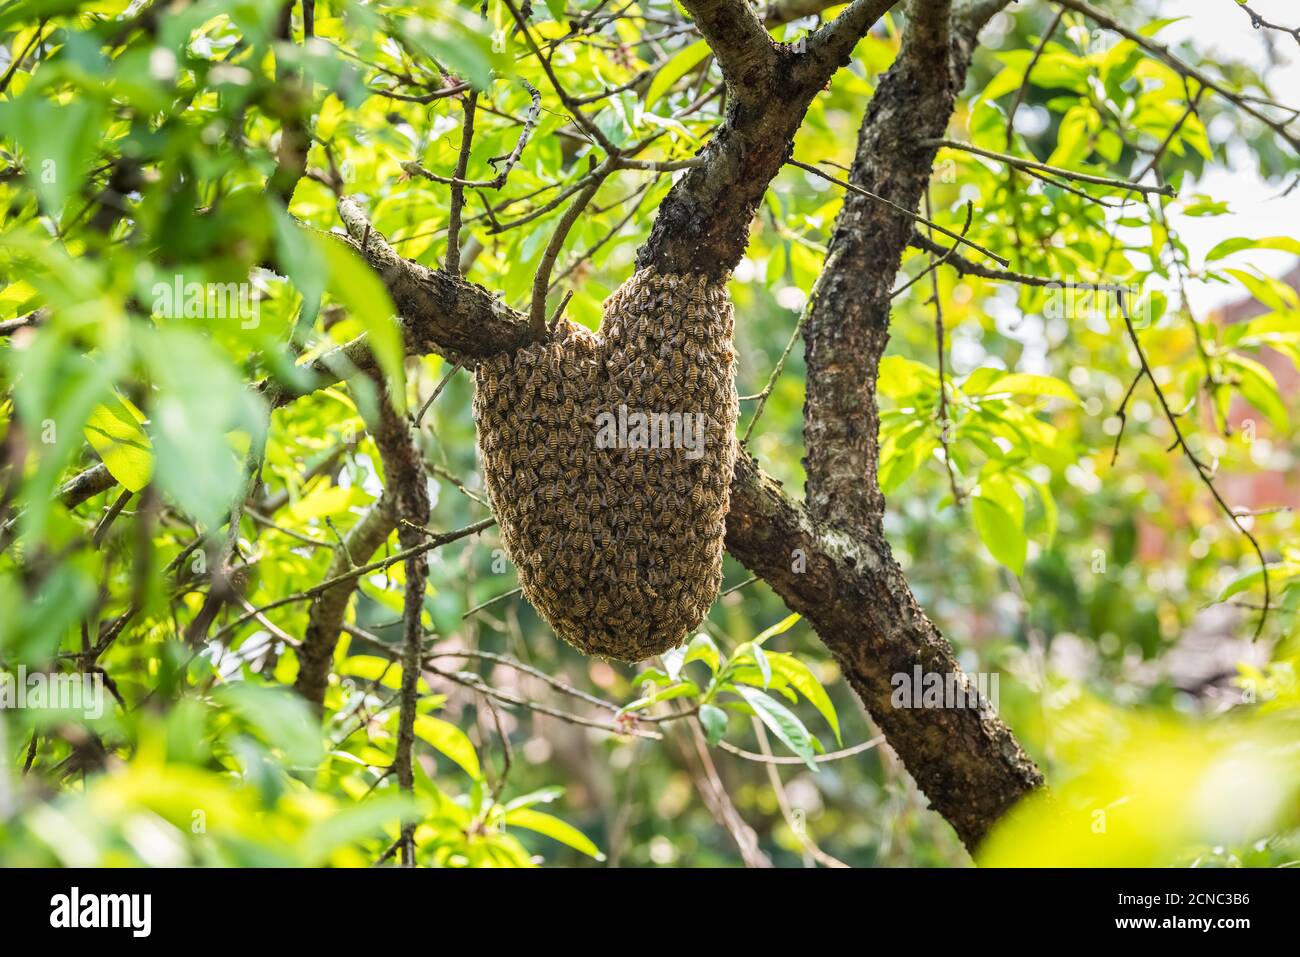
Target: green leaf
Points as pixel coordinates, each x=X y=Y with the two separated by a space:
x=899 y=377
x=681 y=63
x=682 y=689
x=114 y=432
x=193 y=417
x=1023 y=383
x=1271 y=292
x=445 y=737
x=782 y=722
x=1276 y=572
x=373 y=668
x=703 y=648
x=1237 y=244
x=553 y=828
x=540 y=796
x=780 y=628
x=752 y=652
x=59 y=140
x=284 y=719
x=714 y=720
x=458 y=38
x=1001 y=534
x=805 y=682
x=352 y=824
x=1258 y=387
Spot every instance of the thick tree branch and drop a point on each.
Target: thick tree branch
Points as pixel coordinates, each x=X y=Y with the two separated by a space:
x=408 y=490
x=440 y=312
x=855 y=595
x=848 y=326
x=830 y=47
x=743 y=48
x=703 y=223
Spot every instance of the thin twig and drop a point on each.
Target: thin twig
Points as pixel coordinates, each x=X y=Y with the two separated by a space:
x=537 y=315
x=853 y=188
x=451 y=263
x=1202 y=471
x=438 y=390
x=1030 y=165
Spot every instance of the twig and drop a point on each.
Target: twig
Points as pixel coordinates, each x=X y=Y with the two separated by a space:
x=776 y=370
x=1202 y=471
x=734 y=588
x=851 y=187
x=537 y=673
x=451 y=262
x=1258 y=21
x=114 y=510
x=935 y=263
x=434 y=542
x=965 y=266
x=537 y=315
x=438 y=390
x=559 y=310
x=1031 y=165
x=510 y=160
x=473 y=681
x=940 y=348
x=798 y=827
x=491 y=601
x=817 y=758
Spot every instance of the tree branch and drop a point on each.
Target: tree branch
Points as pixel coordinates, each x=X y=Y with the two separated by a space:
x=830 y=47
x=856 y=597
x=703 y=223
x=743 y=48
x=848 y=325
x=325 y=619
x=406 y=485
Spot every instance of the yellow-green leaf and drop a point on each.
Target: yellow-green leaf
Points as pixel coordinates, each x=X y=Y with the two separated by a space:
x=445 y=737
x=553 y=828
x=682 y=62
x=114 y=432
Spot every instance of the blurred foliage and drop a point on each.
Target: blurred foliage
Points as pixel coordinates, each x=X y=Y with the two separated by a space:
x=136 y=142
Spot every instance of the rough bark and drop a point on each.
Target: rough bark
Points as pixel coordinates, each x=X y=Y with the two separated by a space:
x=857 y=599
x=86 y=485
x=407 y=487
x=848 y=322
x=703 y=223
x=967 y=762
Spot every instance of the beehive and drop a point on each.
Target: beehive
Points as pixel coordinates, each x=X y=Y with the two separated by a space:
x=618 y=548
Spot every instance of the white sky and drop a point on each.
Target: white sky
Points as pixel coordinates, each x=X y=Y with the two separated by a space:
x=1218 y=30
